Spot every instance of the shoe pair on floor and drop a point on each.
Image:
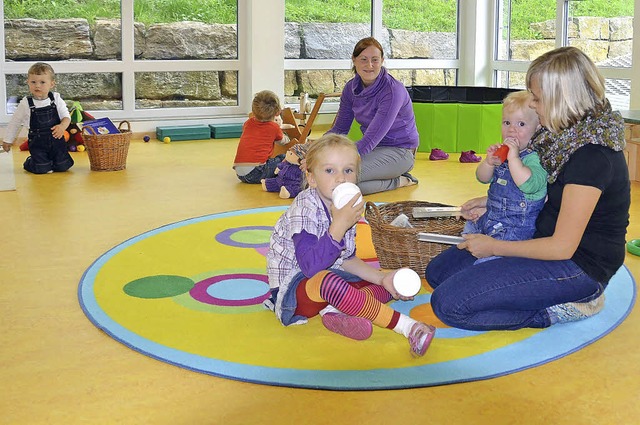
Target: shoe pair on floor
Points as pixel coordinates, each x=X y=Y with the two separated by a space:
x=466 y=156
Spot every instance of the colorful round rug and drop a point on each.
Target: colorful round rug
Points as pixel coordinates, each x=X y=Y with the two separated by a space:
x=190 y=294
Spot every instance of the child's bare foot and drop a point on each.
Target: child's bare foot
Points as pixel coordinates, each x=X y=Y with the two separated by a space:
x=420 y=337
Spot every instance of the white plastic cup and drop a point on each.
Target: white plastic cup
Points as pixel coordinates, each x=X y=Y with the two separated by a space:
x=407 y=282
x=343 y=193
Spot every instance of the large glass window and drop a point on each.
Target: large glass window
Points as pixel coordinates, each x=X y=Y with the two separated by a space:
x=425 y=29
x=36 y=31
x=176 y=31
x=602 y=29
x=412 y=33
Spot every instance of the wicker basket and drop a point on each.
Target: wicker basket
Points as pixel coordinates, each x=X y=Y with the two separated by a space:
x=398 y=247
x=107 y=152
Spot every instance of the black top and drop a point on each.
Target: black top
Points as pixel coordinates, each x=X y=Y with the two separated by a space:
x=602 y=249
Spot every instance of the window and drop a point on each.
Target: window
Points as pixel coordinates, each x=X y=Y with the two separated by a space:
x=603 y=30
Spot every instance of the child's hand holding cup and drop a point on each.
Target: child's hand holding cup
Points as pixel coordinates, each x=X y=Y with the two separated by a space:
x=406 y=282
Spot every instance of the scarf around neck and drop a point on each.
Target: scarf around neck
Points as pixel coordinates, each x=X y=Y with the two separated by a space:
x=603 y=127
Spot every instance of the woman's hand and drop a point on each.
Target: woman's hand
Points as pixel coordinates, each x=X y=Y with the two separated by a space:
x=474 y=208
x=478 y=245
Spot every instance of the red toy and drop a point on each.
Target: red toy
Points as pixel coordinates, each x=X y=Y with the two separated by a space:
x=502 y=152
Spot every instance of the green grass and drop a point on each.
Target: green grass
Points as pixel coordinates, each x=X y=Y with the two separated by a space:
x=415 y=15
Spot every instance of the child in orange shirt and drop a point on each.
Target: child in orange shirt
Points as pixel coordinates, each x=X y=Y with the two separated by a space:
x=253 y=161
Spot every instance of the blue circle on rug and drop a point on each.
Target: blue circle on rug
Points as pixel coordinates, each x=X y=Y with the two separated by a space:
x=536 y=347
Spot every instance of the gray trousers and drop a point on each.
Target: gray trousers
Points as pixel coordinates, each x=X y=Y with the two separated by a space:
x=382 y=167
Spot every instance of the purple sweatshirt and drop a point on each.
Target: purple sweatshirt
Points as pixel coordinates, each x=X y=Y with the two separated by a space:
x=383 y=110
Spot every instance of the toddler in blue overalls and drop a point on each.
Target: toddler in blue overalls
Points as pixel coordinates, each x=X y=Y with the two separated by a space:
x=517 y=186
x=47 y=116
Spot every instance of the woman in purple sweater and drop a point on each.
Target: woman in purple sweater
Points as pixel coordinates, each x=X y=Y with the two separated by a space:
x=381 y=105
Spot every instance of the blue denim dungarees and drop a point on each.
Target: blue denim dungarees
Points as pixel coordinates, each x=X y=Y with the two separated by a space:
x=47 y=152
x=510 y=216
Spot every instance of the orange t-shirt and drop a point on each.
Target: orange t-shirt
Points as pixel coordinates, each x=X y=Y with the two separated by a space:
x=256 y=142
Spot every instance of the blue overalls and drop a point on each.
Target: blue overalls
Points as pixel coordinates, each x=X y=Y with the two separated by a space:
x=47 y=152
x=510 y=216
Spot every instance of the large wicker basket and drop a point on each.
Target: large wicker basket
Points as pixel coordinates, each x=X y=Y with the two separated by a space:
x=398 y=247
x=108 y=152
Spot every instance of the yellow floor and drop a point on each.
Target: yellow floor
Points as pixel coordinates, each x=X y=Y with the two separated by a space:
x=57 y=368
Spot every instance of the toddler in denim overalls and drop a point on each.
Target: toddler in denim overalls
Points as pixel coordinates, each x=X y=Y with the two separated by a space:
x=47 y=120
x=518 y=186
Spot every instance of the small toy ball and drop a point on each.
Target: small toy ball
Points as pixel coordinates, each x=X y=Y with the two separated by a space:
x=66 y=136
x=167 y=139
x=80 y=148
x=73 y=148
x=146 y=138
x=407 y=282
x=502 y=152
x=343 y=193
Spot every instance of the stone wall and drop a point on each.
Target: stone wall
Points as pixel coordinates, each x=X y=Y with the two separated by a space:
x=75 y=39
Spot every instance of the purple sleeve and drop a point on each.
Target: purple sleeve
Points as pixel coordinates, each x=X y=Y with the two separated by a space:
x=344 y=117
x=389 y=103
x=316 y=254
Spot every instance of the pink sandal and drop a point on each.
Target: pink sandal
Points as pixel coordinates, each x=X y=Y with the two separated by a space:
x=420 y=337
x=353 y=327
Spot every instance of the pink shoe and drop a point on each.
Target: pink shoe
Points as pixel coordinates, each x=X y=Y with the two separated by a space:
x=353 y=327
x=469 y=156
x=420 y=337
x=438 y=155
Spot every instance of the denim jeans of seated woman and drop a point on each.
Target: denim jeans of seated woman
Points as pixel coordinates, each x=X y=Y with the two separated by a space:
x=504 y=294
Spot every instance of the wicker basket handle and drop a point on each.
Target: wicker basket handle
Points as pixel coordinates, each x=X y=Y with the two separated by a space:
x=123 y=122
x=372 y=209
x=88 y=130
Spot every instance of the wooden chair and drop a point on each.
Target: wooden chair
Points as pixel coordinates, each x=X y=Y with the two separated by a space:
x=298 y=125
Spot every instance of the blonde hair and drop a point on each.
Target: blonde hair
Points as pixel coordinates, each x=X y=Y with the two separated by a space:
x=519 y=100
x=330 y=141
x=265 y=105
x=570 y=86
x=41 y=68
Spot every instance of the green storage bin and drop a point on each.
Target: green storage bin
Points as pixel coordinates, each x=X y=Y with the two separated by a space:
x=184 y=132
x=225 y=131
x=424 y=121
x=355 y=133
x=445 y=126
x=491 y=131
x=469 y=127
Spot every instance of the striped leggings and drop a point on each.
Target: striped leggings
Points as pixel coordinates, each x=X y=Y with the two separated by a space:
x=360 y=298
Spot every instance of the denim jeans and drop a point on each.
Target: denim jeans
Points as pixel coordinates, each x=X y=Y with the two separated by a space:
x=506 y=293
x=264 y=171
